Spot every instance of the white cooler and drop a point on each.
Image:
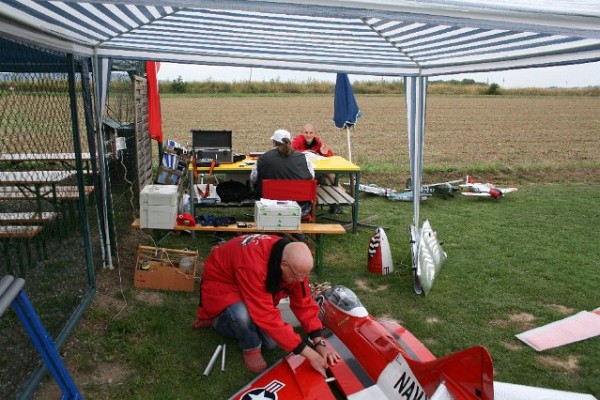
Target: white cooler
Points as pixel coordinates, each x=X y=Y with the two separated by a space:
x=159 y=206
x=277 y=215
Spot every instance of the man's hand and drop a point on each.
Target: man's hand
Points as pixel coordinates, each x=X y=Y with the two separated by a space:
x=330 y=356
x=316 y=360
x=324 y=148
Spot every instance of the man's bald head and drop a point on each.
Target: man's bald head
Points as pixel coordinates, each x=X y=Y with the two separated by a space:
x=299 y=257
x=310 y=128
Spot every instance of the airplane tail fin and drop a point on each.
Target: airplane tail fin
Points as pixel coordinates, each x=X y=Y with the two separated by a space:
x=468 y=179
x=467 y=374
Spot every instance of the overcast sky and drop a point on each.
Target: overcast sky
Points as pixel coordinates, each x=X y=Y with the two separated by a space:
x=567 y=76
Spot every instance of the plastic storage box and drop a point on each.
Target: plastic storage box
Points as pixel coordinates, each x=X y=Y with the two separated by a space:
x=159 y=206
x=277 y=215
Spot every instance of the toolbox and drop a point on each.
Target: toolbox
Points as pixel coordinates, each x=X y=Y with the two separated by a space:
x=212 y=145
x=165 y=269
x=277 y=215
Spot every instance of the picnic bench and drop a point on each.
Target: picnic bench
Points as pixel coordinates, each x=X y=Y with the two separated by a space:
x=27 y=217
x=313 y=230
x=55 y=192
x=16 y=234
x=67 y=160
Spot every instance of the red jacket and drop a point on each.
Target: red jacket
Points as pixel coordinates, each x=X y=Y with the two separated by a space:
x=299 y=144
x=237 y=271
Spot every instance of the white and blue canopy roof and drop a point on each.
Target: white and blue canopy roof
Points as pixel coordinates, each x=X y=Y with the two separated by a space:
x=368 y=37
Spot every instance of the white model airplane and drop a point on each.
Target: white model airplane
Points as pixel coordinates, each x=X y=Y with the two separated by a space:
x=444 y=189
x=483 y=189
x=390 y=193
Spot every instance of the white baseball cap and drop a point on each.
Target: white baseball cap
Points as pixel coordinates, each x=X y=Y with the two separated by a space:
x=281 y=134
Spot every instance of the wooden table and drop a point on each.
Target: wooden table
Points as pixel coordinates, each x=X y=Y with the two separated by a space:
x=315 y=232
x=31 y=182
x=65 y=159
x=323 y=165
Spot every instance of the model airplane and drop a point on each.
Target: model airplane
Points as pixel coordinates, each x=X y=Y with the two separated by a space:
x=483 y=189
x=444 y=189
x=379 y=360
x=383 y=360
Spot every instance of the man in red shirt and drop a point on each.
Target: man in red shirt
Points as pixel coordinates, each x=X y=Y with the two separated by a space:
x=309 y=141
x=243 y=281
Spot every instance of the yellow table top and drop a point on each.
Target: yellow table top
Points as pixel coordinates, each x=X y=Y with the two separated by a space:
x=323 y=164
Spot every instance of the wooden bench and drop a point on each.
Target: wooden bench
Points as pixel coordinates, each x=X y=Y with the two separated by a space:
x=28 y=192
x=27 y=217
x=315 y=231
x=19 y=231
x=333 y=195
x=11 y=232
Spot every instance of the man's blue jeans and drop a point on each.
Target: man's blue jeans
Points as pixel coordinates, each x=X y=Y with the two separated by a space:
x=235 y=322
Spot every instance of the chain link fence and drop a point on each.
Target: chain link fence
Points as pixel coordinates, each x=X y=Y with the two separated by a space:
x=48 y=216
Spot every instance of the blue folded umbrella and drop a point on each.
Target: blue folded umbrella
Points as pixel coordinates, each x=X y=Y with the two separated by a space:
x=345 y=108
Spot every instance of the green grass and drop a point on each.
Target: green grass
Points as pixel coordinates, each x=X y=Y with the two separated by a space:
x=528 y=253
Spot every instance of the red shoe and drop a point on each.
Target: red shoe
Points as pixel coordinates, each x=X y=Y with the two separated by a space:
x=203 y=323
x=254 y=360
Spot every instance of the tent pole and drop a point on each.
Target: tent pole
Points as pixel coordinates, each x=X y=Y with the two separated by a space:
x=101 y=78
x=416 y=95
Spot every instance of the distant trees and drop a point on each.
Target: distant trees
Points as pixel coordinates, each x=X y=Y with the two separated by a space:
x=493 y=89
x=276 y=86
x=178 y=85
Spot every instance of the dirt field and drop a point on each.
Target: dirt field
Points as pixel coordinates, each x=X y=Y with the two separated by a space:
x=528 y=138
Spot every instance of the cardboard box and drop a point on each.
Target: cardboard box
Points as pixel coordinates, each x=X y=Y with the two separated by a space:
x=277 y=215
x=159 y=206
x=165 y=269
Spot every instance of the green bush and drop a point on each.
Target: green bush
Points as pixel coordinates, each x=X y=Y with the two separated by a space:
x=178 y=85
x=493 y=89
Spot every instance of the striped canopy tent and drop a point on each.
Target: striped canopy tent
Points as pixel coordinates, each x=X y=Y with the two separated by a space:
x=407 y=38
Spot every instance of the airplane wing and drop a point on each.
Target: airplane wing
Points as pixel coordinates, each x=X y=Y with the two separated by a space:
x=476 y=194
x=407 y=196
x=510 y=391
x=492 y=192
x=442 y=183
x=291 y=378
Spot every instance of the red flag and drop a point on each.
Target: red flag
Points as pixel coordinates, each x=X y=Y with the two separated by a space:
x=154 y=117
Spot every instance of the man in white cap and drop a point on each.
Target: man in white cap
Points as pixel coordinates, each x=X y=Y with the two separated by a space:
x=281 y=162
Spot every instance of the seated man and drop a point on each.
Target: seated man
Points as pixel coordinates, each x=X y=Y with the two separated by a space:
x=309 y=141
x=282 y=162
x=242 y=283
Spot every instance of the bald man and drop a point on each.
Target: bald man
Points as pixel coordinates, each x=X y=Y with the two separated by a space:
x=308 y=140
x=242 y=283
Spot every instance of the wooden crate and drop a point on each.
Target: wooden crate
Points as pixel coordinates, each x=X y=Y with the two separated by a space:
x=165 y=269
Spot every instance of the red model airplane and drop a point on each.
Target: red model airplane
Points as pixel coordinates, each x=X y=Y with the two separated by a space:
x=379 y=360
x=382 y=360
x=483 y=189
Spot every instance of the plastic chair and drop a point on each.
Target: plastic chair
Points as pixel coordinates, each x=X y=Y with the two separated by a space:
x=292 y=189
